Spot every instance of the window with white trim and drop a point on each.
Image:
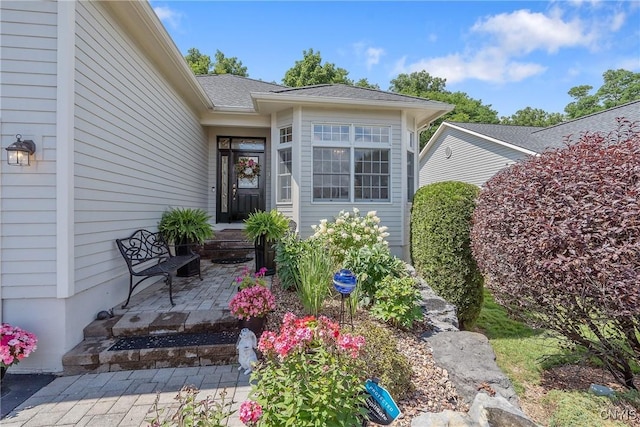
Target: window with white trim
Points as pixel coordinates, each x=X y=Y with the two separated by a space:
x=346 y=167
x=285 y=161
x=286 y=134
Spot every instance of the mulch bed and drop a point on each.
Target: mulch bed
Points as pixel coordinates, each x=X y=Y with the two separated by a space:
x=434 y=391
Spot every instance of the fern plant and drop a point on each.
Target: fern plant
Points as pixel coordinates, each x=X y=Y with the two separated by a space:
x=185 y=225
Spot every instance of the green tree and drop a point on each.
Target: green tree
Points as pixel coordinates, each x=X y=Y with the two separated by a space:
x=365 y=83
x=417 y=84
x=232 y=65
x=467 y=109
x=310 y=71
x=199 y=63
x=619 y=87
x=532 y=117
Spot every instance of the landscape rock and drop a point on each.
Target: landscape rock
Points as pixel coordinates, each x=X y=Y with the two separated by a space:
x=496 y=411
x=445 y=418
x=440 y=314
x=486 y=411
x=470 y=362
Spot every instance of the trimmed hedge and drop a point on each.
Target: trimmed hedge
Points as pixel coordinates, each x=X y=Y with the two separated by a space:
x=440 y=245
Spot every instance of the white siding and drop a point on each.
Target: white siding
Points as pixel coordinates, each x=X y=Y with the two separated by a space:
x=391 y=213
x=28 y=101
x=28 y=51
x=139 y=149
x=473 y=160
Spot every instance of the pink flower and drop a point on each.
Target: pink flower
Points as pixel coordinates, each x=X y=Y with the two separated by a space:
x=250 y=412
x=15 y=344
x=255 y=301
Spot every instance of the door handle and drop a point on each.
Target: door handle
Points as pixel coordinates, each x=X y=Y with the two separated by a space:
x=234 y=190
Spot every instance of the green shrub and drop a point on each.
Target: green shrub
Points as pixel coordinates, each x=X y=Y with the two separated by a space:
x=396 y=301
x=371 y=264
x=381 y=359
x=440 y=245
x=316 y=273
x=289 y=249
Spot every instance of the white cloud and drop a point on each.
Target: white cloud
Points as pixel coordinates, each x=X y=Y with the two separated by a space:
x=501 y=43
x=487 y=65
x=373 y=55
x=522 y=31
x=168 y=16
x=369 y=54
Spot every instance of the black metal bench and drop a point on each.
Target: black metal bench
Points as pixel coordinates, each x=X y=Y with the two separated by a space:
x=147 y=255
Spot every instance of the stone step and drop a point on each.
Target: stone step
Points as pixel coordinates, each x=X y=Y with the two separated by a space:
x=148 y=340
x=110 y=355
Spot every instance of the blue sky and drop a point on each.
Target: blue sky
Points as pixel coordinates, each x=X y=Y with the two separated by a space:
x=510 y=54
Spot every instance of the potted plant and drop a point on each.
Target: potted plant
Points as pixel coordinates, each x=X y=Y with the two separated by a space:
x=15 y=345
x=184 y=228
x=265 y=228
x=251 y=306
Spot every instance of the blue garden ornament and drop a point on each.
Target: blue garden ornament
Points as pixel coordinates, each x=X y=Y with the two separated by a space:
x=344 y=281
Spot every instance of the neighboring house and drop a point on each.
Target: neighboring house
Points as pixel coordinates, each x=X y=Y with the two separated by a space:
x=474 y=152
x=123 y=130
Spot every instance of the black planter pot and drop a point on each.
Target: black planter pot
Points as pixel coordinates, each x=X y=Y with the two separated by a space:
x=265 y=256
x=191 y=269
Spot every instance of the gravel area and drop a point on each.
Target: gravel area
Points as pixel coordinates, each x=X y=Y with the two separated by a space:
x=434 y=391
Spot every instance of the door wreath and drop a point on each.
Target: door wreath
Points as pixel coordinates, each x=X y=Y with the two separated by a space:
x=247 y=168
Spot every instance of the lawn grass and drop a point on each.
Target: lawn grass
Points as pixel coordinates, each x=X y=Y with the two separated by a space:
x=523 y=354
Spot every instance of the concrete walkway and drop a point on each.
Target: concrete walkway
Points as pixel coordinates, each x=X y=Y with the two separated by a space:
x=125 y=398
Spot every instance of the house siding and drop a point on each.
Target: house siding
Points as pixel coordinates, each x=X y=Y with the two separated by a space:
x=129 y=126
x=28 y=100
x=473 y=160
x=28 y=94
x=391 y=213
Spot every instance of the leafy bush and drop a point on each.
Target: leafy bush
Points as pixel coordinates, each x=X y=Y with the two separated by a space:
x=273 y=225
x=559 y=238
x=309 y=376
x=349 y=231
x=371 y=264
x=289 y=249
x=396 y=301
x=381 y=359
x=440 y=245
x=316 y=271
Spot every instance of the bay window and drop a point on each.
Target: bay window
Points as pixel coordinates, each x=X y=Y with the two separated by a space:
x=351 y=162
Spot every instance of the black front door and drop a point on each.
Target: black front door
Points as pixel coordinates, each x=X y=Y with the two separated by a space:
x=241 y=178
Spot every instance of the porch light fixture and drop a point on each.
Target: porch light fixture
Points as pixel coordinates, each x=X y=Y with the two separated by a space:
x=18 y=153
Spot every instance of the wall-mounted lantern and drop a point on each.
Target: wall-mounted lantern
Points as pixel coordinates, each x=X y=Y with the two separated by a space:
x=18 y=153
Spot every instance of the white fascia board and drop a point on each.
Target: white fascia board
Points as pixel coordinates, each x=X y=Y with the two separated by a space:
x=444 y=125
x=144 y=26
x=278 y=98
x=219 y=118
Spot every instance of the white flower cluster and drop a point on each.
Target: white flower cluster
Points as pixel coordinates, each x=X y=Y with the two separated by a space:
x=350 y=230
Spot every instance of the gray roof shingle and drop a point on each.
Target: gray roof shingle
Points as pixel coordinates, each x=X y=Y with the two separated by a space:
x=539 y=139
x=356 y=92
x=228 y=90
x=231 y=91
x=516 y=135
